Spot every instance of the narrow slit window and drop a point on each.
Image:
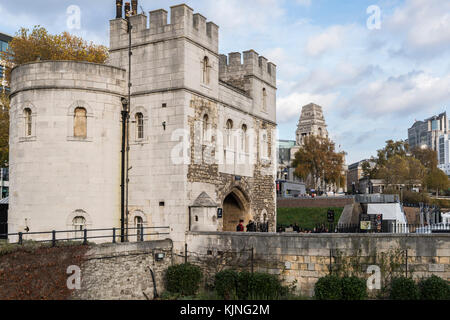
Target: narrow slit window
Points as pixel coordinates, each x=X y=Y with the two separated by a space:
x=205 y=70
x=28 y=122
x=244 y=138
x=264 y=99
x=205 y=128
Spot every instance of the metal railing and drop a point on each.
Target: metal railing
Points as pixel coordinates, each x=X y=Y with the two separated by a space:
x=390 y=227
x=86 y=234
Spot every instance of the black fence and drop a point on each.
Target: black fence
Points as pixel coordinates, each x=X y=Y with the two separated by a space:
x=385 y=227
x=131 y=235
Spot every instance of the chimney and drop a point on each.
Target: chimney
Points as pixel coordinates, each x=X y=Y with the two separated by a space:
x=127 y=9
x=134 y=6
x=119 y=9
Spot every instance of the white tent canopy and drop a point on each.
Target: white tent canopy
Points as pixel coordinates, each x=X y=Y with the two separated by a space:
x=390 y=211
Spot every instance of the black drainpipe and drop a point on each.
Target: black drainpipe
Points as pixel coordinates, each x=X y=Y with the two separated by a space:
x=122 y=177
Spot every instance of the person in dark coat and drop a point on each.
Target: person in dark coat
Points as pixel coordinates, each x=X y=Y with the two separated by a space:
x=240 y=226
x=251 y=227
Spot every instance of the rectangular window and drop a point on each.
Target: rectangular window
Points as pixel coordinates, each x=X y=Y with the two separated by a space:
x=435 y=125
x=3 y=46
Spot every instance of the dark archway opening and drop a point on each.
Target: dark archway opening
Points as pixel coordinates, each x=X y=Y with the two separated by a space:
x=235 y=208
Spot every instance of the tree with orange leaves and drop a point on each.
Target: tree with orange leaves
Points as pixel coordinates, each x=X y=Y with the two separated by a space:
x=39 y=45
x=317 y=159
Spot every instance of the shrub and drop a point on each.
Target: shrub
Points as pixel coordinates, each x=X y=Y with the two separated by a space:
x=183 y=279
x=434 y=288
x=265 y=286
x=353 y=288
x=403 y=289
x=328 y=288
x=226 y=284
x=246 y=286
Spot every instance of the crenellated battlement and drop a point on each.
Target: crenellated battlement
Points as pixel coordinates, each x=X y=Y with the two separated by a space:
x=233 y=69
x=183 y=23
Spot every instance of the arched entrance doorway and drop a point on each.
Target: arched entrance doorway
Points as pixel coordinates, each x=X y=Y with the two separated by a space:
x=235 y=207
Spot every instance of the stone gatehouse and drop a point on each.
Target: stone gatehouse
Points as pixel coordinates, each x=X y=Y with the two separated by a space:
x=201 y=133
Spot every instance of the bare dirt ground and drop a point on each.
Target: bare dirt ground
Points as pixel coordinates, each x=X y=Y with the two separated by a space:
x=38 y=273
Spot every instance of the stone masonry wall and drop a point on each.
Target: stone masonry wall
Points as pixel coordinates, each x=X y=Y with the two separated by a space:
x=304 y=258
x=122 y=271
x=258 y=182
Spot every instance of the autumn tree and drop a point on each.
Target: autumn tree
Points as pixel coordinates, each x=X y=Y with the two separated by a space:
x=38 y=44
x=427 y=157
x=437 y=180
x=371 y=168
x=402 y=170
x=318 y=160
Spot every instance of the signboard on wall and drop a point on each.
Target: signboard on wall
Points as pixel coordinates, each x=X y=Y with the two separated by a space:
x=330 y=216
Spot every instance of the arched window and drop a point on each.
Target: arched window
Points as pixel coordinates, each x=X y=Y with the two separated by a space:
x=78 y=224
x=28 y=121
x=205 y=128
x=264 y=99
x=138 y=224
x=205 y=70
x=139 y=125
x=229 y=128
x=244 y=138
x=80 y=123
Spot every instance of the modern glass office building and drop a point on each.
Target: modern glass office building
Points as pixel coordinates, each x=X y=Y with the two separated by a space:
x=4 y=40
x=425 y=134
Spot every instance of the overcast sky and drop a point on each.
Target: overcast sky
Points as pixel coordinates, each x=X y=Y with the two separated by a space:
x=372 y=82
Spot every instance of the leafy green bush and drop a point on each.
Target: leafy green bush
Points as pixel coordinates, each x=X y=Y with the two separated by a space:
x=183 y=279
x=226 y=284
x=353 y=288
x=328 y=288
x=247 y=286
x=265 y=286
x=403 y=289
x=434 y=288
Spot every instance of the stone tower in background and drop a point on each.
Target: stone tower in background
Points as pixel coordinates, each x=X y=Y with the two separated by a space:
x=312 y=122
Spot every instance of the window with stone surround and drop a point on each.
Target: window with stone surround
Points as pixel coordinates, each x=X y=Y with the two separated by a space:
x=244 y=140
x=264 y=99
x=228 y=133
x=28 y=116
x=139 y=117
x=138 y=224
x=205 y=66
x=79 y=224
x=205 y=129
x=80 y=123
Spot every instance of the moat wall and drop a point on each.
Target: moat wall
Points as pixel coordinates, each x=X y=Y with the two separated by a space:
x=121 y=271
x=304 y=258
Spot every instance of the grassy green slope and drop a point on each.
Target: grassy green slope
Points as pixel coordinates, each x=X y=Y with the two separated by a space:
x=306 y=218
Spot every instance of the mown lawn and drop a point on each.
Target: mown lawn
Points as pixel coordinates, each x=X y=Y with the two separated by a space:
x=306 y=218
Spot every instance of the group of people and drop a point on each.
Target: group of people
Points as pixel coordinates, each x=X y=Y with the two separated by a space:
x=251 y=226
